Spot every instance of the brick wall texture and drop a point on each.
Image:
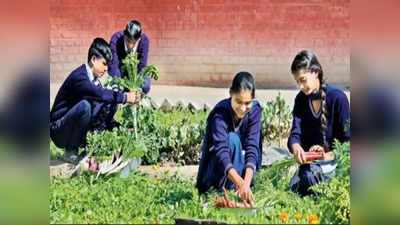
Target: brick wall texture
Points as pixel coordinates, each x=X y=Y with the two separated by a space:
x=206 y=42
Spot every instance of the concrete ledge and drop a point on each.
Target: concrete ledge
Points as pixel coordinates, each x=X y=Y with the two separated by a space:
x=200 y=96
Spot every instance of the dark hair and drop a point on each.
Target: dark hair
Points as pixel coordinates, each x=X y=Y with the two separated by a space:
x=133 y=30
x=307 y=61
x=100 y=49
x=243 y=81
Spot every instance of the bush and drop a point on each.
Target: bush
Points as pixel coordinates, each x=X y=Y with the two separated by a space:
x=179 y=133
x=103 y=144
x=276 y=120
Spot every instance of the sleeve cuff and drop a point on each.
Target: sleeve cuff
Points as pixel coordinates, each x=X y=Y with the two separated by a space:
x=115 y=87
x=251 y=165
x=124 y=98
x=290 y=144
x=228 y=167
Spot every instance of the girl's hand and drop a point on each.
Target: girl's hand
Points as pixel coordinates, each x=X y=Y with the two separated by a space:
x=131 y=97
x=138 y=96
x=316 y=148
x=327 y=156
x=298 y=153
x=244 y=192
x=242 y=187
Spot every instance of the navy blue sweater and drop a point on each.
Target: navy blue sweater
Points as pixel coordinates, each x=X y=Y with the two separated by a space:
x=220 y=123
x=77 y=87
x=306 y=126
x=118 y=49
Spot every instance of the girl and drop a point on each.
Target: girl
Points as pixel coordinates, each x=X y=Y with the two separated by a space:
x=233 y=126
x=320 y=114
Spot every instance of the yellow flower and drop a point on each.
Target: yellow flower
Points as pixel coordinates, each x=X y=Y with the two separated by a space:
x=156 y=167
x=155 y=222
x=313 y=218
x=298 y=216
x=284 y=216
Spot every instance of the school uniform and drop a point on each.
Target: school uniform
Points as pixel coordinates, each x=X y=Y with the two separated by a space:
x=120 y=51
x=224 y=143
x=79 y=106
x=306 y=130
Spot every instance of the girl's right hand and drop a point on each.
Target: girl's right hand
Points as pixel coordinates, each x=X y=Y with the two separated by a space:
x=244 y=192
x=132 y=97
x=298 y=153
x=242 y=189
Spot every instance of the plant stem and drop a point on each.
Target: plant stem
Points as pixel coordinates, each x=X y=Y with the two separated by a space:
x=134 y=113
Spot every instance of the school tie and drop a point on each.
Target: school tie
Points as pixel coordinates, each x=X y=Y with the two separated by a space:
x=96 y=81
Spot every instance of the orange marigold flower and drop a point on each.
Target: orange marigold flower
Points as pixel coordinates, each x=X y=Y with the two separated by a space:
x=313 y=218
x=298 y=216
x=284 y=216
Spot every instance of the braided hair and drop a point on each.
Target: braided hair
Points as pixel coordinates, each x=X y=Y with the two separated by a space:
x=307 y=61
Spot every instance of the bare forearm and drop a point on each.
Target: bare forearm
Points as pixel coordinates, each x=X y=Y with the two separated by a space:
x=248 y=176
x=235 y=177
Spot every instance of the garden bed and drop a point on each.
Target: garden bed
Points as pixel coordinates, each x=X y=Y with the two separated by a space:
x=140 y=199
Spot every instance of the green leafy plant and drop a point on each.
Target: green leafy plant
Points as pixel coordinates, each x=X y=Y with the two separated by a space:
x=141 y=199
x=335 y=194
x=276 y=120
x=103 y=144
x=179 y=133
x=134 y=80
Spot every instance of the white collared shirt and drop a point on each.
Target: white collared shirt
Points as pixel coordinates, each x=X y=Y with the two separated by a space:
x=92 y=79
x=134 y=49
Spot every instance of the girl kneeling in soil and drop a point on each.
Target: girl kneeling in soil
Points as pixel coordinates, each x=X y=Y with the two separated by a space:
x=320 y=114
x=232 y=146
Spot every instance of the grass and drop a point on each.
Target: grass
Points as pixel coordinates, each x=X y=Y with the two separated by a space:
x=139 y=199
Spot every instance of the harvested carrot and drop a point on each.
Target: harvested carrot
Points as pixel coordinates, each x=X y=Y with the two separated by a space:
x=311 y=156
x=225 y=202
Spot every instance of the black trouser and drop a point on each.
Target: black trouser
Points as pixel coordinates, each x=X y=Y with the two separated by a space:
x=69 y=132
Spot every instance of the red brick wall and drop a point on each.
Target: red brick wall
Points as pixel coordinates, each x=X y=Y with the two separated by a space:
x=205 y=42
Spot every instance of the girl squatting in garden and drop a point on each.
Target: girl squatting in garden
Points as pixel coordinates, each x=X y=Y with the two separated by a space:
x=320 y=114
x=232 y=146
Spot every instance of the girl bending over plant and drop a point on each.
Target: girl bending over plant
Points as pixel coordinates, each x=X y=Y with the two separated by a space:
x=232 y=146
x=320 y=114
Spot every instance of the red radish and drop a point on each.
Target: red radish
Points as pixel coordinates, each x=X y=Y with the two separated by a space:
x=91 y=164
x=94 y=167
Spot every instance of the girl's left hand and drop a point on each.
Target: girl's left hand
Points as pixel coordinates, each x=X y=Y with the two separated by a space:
x=244 y=192
x=318 y=148
x=327 y=156
x=138 y=96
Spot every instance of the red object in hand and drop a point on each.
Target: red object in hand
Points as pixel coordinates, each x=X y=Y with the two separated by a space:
x=311 y=156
